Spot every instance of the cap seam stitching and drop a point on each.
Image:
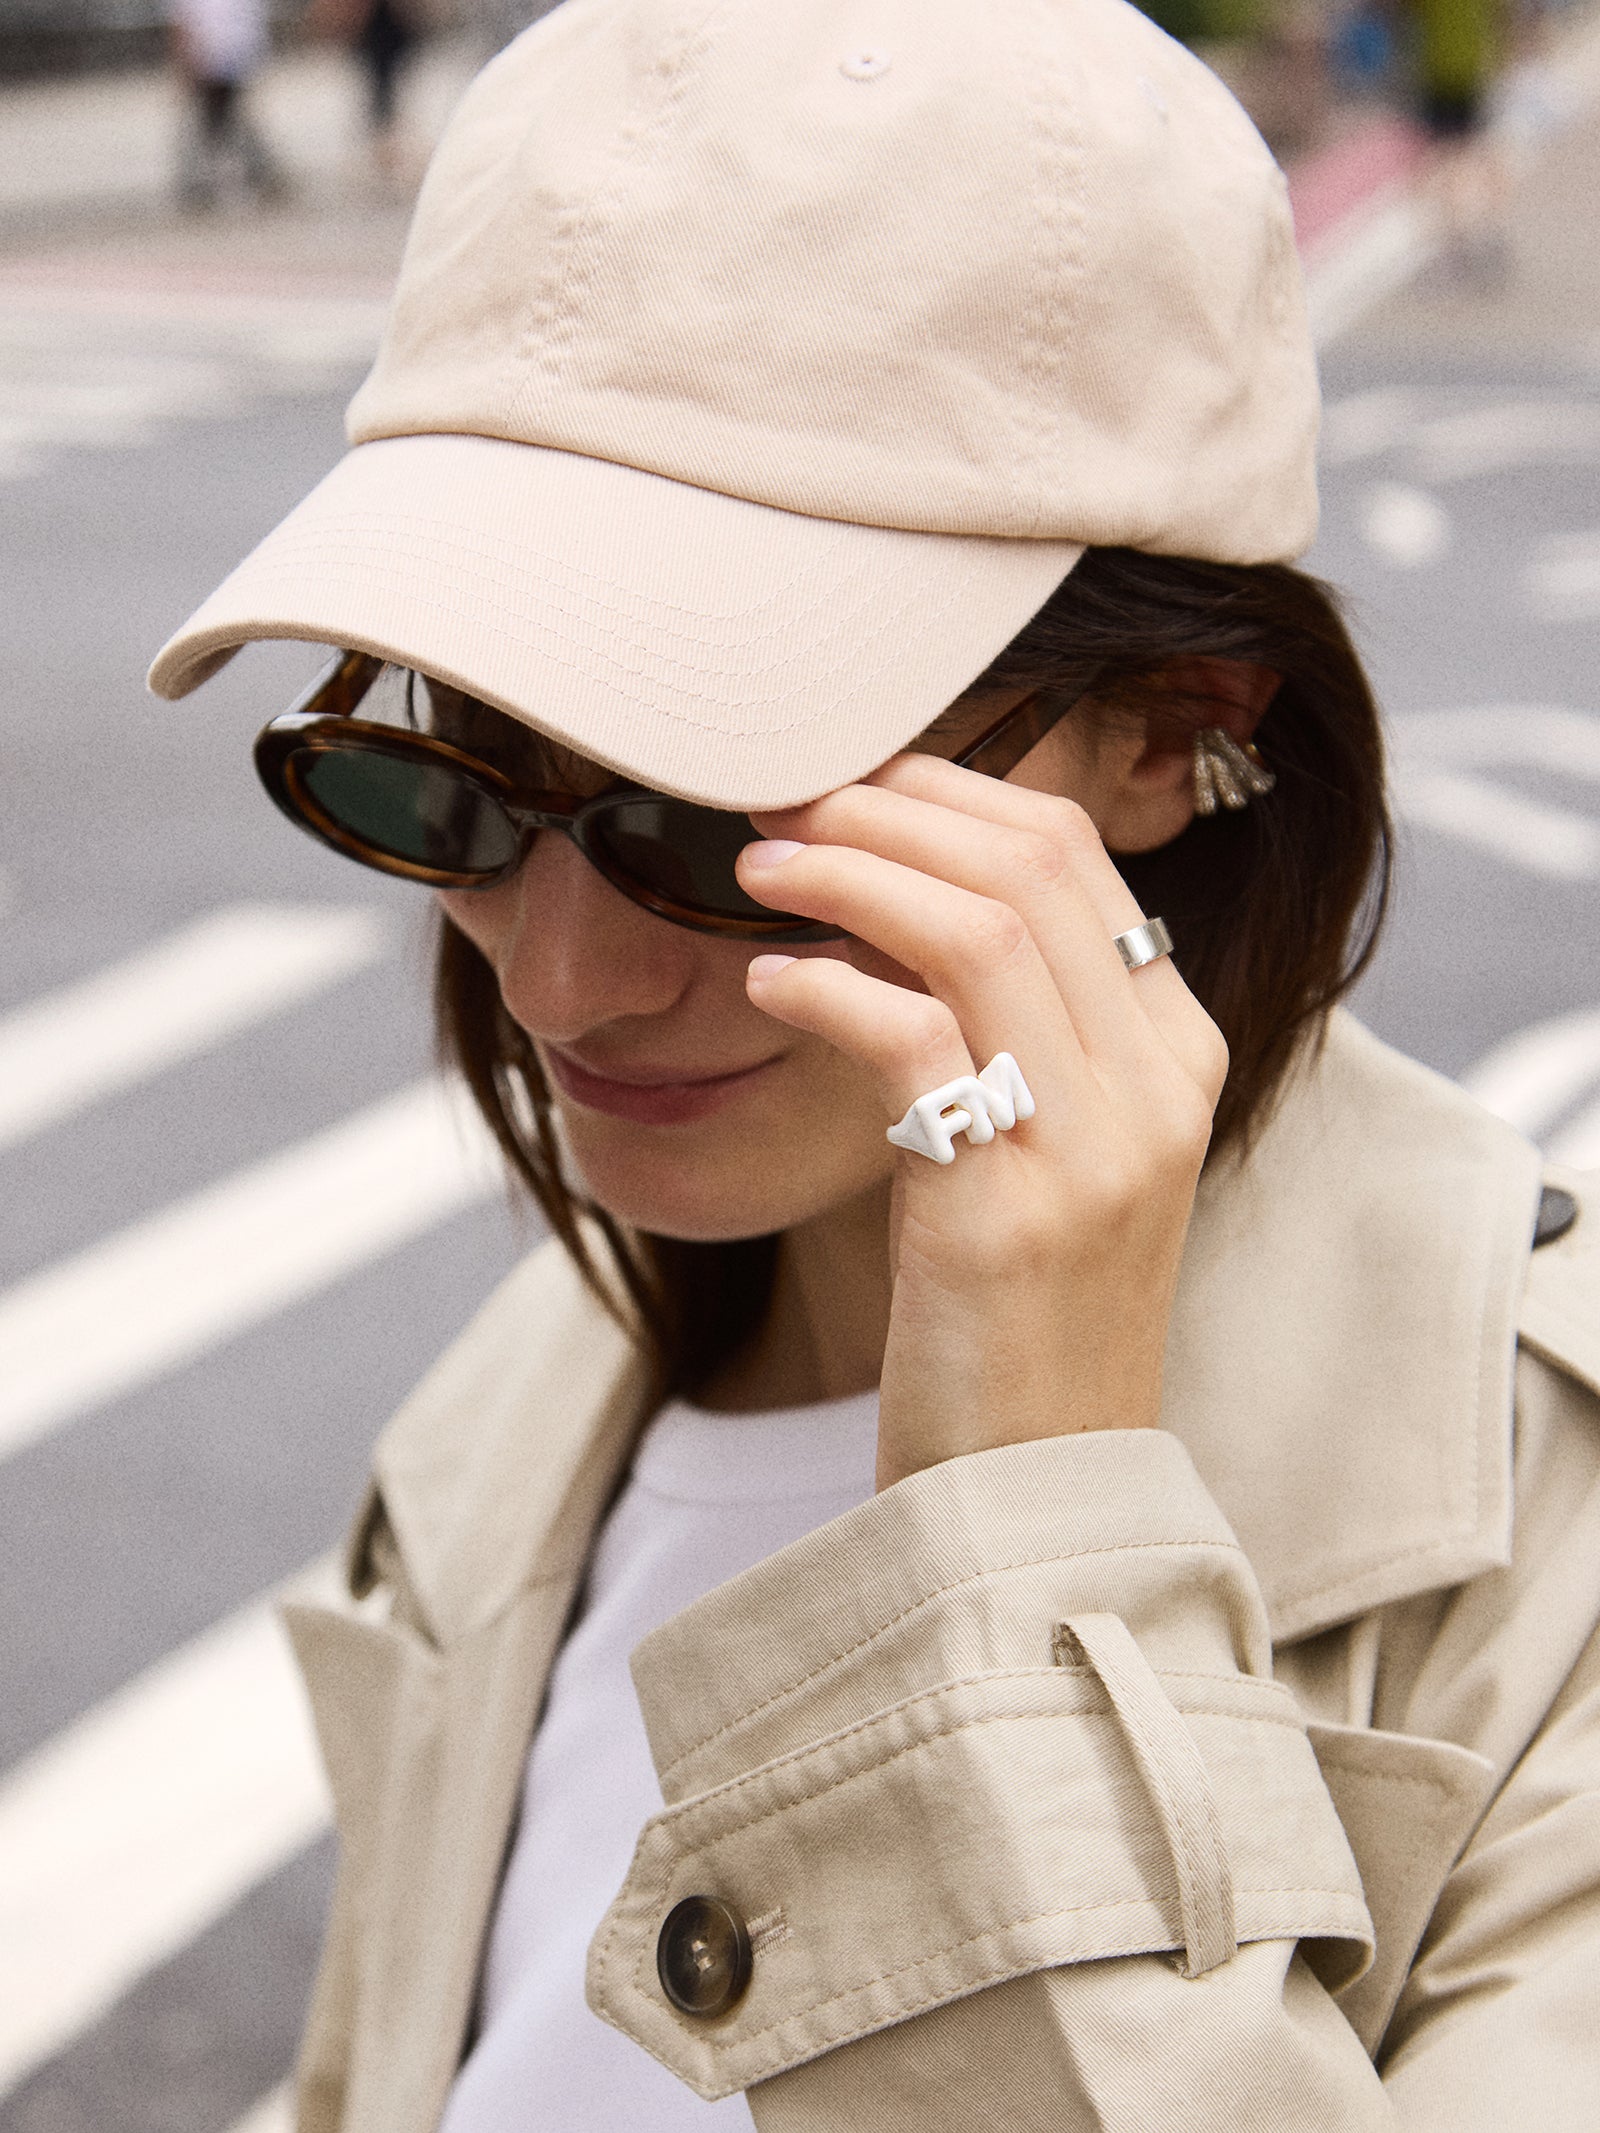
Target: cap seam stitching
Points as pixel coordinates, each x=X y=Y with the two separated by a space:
x=1058 y=218
x=514 y=564
x=860 y=671
x=545 y=348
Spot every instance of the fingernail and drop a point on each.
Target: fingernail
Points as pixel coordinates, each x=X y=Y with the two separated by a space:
x=768 y=966
x=772 y=852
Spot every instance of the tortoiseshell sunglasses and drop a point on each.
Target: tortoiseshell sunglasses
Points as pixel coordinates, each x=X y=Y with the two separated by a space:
x=412 y=804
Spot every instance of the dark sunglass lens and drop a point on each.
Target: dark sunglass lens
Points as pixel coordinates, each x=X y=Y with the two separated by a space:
x=683 y=852
x=424 y=813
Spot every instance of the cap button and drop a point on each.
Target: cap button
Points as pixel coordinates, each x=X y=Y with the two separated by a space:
x=864 y=66
x=703 y=1956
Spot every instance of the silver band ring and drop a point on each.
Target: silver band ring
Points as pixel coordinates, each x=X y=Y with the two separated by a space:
x=1144 y=944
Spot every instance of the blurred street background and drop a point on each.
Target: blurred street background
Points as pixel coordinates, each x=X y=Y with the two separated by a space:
x=238 y=1217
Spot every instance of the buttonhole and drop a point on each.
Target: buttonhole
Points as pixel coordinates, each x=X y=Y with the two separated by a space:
x=1065 y=1650
x=767 y=1930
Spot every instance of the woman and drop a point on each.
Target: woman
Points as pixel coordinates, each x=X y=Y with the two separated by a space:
x=1090 y=1663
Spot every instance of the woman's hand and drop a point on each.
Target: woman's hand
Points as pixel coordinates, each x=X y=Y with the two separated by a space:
x=1033 y=1276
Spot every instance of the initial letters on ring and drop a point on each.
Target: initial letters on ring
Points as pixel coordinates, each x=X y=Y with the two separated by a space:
x=978 y=1105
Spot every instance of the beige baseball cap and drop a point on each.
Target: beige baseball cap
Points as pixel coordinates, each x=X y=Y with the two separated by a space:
x=757 y=368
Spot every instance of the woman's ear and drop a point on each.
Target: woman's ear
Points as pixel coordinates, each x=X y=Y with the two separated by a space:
x=1233 y=693
x=1148 y=799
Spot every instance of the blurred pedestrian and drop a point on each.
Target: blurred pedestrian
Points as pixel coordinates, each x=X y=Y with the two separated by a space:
x=381 y=35
x=384 y=43
x=1458 y=49
x=217 y=46
x=1454 y=64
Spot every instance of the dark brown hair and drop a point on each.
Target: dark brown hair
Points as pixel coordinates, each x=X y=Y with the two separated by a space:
x=1274 y=910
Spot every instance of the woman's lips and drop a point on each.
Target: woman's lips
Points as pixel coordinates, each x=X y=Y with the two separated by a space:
x=649 y=1100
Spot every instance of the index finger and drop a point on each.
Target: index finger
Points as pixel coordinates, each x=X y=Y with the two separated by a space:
x=1158 y=987
x=1020 y=807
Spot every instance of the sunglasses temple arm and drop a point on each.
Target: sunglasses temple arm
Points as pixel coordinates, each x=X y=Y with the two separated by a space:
x=997 y=752
x=339 y=687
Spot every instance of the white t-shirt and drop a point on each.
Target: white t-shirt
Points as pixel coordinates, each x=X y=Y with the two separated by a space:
x=709 y=1496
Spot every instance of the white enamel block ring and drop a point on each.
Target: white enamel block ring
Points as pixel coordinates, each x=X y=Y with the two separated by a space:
x=978 y=1105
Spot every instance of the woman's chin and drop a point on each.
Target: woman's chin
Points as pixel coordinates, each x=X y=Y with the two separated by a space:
x=693 y=1210
x=715 y=1195
x=689 y=1222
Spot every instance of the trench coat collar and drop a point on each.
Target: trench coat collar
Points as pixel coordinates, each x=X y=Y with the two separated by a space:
x=1339 y=1366
x=495 y=1472
x=1343 y=1344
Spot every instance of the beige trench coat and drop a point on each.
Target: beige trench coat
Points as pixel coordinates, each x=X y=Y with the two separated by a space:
x=1244 y=1773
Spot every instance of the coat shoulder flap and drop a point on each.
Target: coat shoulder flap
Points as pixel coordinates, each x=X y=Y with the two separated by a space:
x=1560 y=1318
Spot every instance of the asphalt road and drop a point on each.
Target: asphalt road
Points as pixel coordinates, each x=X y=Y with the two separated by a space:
x=164 y=1499
x=223 y=1343
x=1466 y=550
x=1461 y=497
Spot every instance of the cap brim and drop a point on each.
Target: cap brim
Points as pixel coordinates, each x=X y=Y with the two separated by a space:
x=717 y=649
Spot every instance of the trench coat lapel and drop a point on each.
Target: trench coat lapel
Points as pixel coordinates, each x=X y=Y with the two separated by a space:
x=1341 y=1353
x=489 y=1485
x=497 y=1467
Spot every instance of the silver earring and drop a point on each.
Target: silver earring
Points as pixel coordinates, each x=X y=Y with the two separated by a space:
x=1226 y=775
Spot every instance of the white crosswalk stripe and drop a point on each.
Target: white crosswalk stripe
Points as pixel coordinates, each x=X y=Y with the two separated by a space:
x=1381 y=254
x=128 y=1835
x=1564 y=578
x=201 y=985
x=1449 y=772
x=1406 y=525
x=123 y=1838
x=1531 y=834
x=1534 y=1078
x=79 y=370
x=166 y=1290
x=1538 y=1080
x=1578 y=1143
x=1465 y=446
x=273 y=2114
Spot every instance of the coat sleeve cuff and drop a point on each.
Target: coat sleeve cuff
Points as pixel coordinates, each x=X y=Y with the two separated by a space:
x=1013 y=1713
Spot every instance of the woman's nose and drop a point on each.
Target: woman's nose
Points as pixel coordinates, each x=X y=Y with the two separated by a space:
x=578 y=953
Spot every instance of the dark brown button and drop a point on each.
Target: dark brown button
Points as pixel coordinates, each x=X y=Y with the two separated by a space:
x=703 y=1956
